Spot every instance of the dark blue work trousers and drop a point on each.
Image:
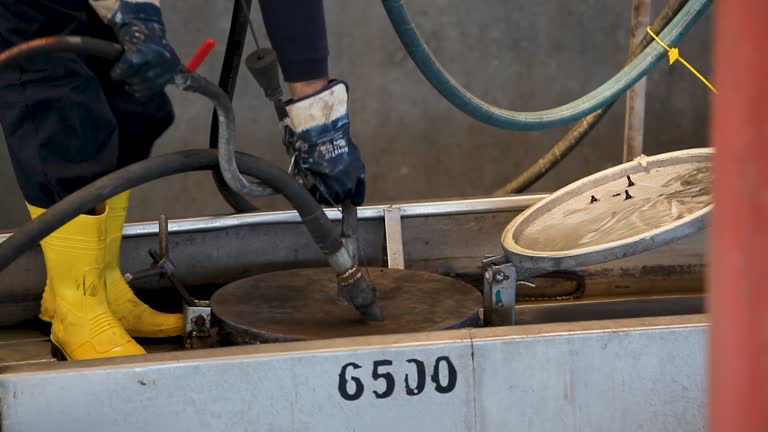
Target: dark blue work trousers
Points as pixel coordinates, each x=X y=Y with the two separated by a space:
x=65 y=122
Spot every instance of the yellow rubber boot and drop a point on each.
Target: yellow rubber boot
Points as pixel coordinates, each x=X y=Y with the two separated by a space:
x=83 y=326
x=47 y=304
x=136 y=317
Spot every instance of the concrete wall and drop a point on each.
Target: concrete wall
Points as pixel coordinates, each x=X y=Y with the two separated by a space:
x=519 y=54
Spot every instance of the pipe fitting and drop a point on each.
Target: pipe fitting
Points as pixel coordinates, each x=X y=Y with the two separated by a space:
x=355 y=289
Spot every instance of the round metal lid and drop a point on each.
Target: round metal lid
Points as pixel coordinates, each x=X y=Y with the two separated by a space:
x=622 y=211
x=302 y=305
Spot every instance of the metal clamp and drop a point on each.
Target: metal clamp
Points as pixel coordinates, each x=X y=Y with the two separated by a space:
x=197 y=313
x=197 y=325
x=499 y=291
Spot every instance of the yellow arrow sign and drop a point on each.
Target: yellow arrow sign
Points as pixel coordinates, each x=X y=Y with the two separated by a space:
x=674 y=55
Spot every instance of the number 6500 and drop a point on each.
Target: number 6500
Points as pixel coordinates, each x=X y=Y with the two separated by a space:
x=351 y=388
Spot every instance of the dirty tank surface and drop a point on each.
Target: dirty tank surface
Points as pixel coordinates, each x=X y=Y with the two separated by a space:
x=302 y=305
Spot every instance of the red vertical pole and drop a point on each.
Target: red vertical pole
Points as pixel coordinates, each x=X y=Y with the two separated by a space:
x=738 y=282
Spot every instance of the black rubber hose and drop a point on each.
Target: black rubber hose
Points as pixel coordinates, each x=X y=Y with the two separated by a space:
x=583 y=127
x=58 y=44
x=227 y=121
x=325 y=235
x=230 y=67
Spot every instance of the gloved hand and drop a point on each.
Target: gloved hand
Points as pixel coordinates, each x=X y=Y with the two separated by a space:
x=324 y=149
x=149 y=61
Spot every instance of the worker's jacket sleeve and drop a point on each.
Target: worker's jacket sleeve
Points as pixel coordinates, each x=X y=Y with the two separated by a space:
x=107 y=8
x=296 y=29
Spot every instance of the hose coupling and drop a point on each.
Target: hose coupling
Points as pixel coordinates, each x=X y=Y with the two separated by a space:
x=355 y=289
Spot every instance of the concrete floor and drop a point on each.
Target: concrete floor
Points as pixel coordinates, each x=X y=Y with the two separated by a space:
x=25 y=344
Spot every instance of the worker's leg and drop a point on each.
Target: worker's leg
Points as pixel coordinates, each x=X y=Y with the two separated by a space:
x=82 y=327
x=62 y=110
x=61 y=135
x=137 y=318
x=296 y=29
x=59 y=129
x=139 y=124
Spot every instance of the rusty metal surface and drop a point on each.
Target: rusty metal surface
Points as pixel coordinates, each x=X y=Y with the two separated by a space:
x=302 y=305
x=738 y=346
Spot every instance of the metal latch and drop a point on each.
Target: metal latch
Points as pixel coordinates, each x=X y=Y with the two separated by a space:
x=197 y=313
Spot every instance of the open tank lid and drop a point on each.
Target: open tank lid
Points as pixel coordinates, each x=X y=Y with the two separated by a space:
x=619 y=212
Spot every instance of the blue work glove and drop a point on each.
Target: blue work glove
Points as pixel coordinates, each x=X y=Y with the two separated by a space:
x=324 y=149
x=149 y=61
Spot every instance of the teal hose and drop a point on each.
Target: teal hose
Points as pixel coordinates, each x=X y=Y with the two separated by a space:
x=439 y=78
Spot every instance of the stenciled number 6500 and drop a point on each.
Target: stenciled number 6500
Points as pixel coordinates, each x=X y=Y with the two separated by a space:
x=351 y=388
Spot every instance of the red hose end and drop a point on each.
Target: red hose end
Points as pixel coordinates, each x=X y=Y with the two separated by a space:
x=201 y=55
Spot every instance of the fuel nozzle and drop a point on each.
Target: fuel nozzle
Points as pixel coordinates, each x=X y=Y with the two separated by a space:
x=351 y=284
x=354 y=288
